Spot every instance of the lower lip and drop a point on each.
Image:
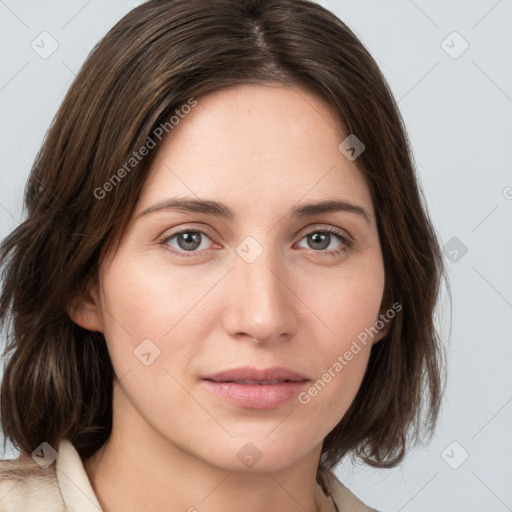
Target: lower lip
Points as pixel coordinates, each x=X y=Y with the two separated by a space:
x=256 y=396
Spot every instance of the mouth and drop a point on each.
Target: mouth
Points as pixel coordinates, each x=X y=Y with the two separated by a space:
x=251 y=388
x=254 y=382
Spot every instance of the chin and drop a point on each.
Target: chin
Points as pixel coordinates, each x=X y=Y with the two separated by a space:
x=257 y=455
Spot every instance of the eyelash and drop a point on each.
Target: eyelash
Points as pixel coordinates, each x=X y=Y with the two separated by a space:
x=347 y=243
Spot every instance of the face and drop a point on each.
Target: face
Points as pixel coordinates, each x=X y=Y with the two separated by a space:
x=234 y=322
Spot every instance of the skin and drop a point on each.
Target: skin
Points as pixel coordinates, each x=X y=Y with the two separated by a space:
x=174 y=443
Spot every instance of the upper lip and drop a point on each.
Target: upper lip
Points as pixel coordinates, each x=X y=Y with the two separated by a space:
x=277 y=373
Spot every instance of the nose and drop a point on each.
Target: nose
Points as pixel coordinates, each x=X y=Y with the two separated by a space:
x=260 y=303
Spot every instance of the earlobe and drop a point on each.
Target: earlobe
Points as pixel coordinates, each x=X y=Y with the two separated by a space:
x=85 y=311
x=383 y=324
x=382 y=332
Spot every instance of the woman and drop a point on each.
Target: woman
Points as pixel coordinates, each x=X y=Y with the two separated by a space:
x=227 y=275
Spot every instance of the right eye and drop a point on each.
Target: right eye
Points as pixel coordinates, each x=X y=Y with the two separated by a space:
x=187 y=241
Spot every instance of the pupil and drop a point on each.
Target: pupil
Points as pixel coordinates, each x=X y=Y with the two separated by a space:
x=191 y=240
x=321 y=238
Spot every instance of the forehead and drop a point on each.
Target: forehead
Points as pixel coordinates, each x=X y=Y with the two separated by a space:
x=257 y=143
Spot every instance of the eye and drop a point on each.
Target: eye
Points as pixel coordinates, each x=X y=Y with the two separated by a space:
x=321 y=239
x=192 y=241
x=187 y=241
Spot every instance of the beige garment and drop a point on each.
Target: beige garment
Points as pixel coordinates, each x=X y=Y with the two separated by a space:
x=64 y=486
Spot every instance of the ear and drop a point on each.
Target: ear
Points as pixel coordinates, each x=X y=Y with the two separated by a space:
x=385 y=329
x=85 y=310
x=384 y=321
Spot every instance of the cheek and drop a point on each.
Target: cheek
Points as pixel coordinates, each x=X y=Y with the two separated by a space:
x=152 y=330
x=341 y=366
x=150 y=299
x=158 y=303
x=345 y=303
x=346 y=311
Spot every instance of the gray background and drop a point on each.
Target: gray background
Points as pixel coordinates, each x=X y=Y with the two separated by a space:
x=458 y=109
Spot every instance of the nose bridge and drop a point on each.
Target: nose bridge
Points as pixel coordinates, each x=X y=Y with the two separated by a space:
x=261 y=304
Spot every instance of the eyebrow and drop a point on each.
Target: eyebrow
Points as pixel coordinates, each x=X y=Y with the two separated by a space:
x=221 y=210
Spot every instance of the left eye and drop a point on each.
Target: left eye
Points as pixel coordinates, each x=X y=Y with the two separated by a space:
x=322 y=240
x=191 y=241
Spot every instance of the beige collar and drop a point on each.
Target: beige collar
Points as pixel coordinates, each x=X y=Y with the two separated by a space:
x=74 y=484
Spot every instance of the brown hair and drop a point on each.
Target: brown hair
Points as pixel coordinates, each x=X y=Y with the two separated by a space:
x=58 y=380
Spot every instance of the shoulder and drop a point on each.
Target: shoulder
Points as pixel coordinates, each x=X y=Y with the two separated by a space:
x=24 y=485
x=344 y=499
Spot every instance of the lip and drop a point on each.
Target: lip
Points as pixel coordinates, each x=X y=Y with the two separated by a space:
x=253 y=388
